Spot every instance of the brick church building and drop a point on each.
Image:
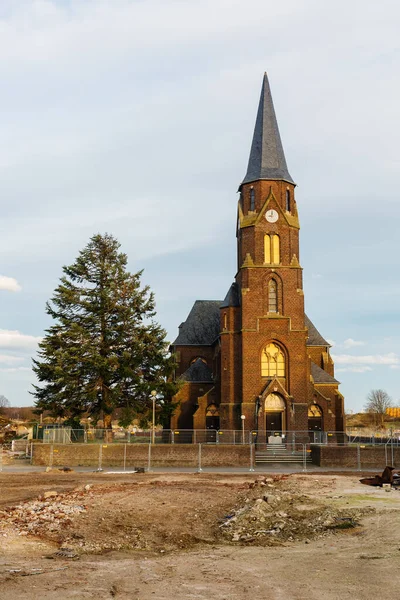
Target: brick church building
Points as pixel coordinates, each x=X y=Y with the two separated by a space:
x=256 y=356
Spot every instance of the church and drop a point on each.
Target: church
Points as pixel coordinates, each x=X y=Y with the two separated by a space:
x=255 y=360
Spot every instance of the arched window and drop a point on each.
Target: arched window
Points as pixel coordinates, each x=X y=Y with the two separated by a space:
x=288 y=200
x=272 y=249
x=252 y=200
x=272 y=296
x=272 y=361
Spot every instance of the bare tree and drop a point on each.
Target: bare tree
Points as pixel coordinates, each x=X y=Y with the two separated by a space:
x=377 y=403
x=4 y=403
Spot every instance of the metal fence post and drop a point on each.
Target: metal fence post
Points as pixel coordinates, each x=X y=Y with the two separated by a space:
x=149 y=459
x=124 y=457
x=304 y=458
x=358 y=457
x=199 y=470
x=51 y=457
x=251 y=456
x=100 y=468
x=391 y=446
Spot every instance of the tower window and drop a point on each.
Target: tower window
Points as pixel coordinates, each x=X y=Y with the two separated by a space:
x=288 y=200
x=272 y=296
x=272 y=249
x=272 y=361
x=252 y=200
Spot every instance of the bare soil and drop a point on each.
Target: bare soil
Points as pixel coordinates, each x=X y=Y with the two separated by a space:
x=200 y=536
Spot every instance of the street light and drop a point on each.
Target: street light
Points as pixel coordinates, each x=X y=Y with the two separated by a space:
x=153 y=394
x=243 y=417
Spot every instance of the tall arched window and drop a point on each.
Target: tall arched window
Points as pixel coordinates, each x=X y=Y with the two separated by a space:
x=288 y=200
x=252 y=199
x=272 y=296
x=272 y=361
x=272 y=249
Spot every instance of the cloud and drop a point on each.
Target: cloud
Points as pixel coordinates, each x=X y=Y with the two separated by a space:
x=350 y=343
x=10 y=360
x=15 y=369
x=363 y=369
x=394 y=367
x=9 y=283
x=389 y=359
x=15 y=339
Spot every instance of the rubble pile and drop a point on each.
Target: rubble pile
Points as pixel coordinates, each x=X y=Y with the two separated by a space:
x=271 y=515
x=47 y=515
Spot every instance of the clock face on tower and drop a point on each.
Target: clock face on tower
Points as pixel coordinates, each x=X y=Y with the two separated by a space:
x=271 y=216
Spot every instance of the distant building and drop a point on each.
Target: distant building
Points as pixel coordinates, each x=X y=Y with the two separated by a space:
x=256 y=353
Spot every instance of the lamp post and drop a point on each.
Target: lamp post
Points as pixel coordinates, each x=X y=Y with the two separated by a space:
x=243 y=417
x=153 y=394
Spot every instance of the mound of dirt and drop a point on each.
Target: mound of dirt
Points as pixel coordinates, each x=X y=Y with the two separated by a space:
x=272 y=515
x=162 y=516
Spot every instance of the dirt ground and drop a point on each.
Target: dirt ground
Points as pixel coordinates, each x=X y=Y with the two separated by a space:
x=197 y=537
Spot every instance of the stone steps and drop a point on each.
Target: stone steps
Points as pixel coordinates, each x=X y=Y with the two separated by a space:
x=280 y=454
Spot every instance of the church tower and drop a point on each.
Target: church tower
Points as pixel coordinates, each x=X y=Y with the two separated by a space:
x=268 y=365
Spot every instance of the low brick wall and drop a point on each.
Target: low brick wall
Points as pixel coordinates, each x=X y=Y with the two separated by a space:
x=137 y=455
x=346 y=456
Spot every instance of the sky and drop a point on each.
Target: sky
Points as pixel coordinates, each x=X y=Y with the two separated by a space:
x=135 y=117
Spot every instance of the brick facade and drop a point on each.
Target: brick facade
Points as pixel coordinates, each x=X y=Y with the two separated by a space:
x=250 y=321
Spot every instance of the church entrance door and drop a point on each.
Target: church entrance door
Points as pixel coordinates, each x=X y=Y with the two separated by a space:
x=274 y=423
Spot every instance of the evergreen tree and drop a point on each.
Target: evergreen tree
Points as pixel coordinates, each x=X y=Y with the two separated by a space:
x=104 y=350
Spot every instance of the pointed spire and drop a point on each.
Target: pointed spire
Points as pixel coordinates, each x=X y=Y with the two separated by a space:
x=267 y=159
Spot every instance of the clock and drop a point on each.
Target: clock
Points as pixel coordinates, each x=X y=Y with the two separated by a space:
x=271 y=216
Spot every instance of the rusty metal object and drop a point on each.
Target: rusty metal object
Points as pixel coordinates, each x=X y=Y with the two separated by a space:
x=389 y=475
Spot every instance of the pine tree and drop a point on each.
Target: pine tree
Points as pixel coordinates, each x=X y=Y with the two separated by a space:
x=104 y=350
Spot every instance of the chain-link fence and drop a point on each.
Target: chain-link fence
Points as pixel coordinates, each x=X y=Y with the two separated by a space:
x=67 y=435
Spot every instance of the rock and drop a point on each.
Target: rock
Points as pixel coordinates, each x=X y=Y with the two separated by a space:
x=87 y=487
x=50 y=494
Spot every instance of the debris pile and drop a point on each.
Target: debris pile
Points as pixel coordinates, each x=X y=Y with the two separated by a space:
x=271 y=515
x=390 y=476
x=49 y=514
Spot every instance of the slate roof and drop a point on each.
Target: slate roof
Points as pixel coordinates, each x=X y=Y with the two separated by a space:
x=202 y=327
x=267 y=159
x=314 y=336
x=233 y=296
x=198 y=372
x=321 y=376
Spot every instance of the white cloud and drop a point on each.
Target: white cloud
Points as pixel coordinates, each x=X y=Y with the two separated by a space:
x=394 y=367
x=6 y=359
x=16 y=339
x=371 y=359
x=363 y=369
x=15 y=370
x=350 y=343
x=9 y=283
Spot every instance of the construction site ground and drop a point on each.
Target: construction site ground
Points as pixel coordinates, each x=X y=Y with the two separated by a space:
x=70 y=535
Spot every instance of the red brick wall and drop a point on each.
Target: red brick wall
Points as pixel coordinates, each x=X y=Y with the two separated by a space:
x=162 y=455
x=346 y=456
